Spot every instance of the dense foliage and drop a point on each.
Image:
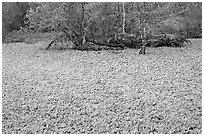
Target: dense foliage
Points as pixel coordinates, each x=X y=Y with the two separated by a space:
x=168 y=40
x=100 y=22
x=13 y=16
x=155 y=17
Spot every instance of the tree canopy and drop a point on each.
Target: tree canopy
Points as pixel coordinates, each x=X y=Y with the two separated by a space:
x=107 y=18
x=102 y=20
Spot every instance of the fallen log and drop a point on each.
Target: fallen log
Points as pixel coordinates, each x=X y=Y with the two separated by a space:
x=49 y=45
x=111 y=46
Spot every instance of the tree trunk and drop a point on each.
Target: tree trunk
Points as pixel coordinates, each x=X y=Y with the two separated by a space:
x=49 y=45
x=82 y=24
x=123 y=17
x=142 y=51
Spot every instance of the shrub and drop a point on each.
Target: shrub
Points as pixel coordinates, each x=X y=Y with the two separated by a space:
x=169 y=40
x=128 y=40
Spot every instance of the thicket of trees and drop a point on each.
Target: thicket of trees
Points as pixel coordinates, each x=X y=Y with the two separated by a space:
x=101 y=21
x=13 y=16
x=154 y=16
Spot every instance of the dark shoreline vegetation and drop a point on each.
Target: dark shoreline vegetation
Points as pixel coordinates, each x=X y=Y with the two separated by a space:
x=120 y=41
x=69 y=91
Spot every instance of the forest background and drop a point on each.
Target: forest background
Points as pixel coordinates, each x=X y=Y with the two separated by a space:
x=99 y=19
